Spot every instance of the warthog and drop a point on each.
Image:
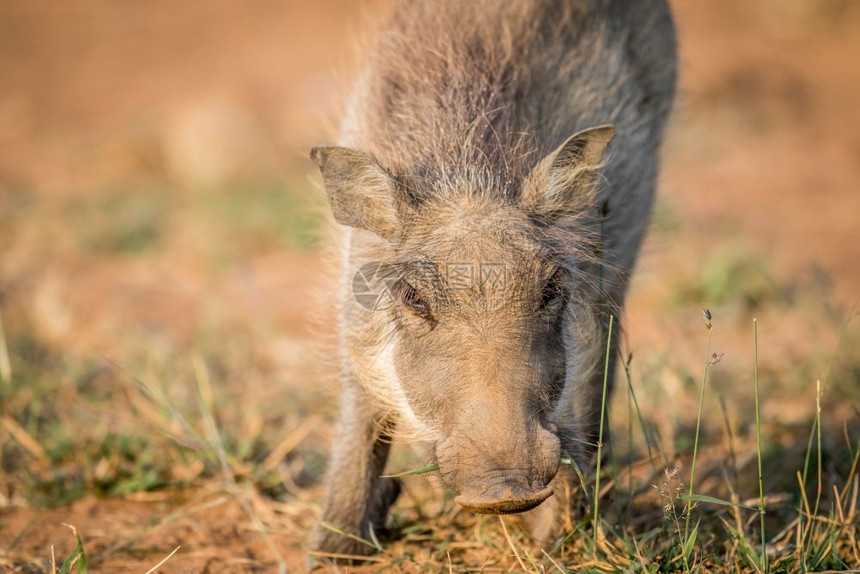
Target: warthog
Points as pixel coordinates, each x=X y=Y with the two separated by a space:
x=494 y=179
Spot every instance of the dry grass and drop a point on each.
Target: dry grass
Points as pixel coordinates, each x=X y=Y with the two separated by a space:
x=216 y=423
x=160 y=389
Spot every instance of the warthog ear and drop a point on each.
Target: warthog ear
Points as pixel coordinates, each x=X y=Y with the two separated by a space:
x=565 y=181
x=360 y=191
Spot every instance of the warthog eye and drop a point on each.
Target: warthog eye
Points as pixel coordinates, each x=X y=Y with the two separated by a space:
x=412 y=299
x=554 y=295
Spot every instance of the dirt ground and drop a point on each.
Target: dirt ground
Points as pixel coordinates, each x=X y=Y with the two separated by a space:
x=758 y=216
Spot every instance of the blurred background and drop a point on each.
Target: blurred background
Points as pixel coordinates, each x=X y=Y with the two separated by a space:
x=163 y=279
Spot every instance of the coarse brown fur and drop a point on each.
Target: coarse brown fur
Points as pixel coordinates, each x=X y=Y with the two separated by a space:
x=500 y=227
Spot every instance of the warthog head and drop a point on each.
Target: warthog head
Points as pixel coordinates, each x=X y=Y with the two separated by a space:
x=487 y=333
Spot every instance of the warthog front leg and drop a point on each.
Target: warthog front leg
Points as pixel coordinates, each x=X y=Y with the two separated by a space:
x=357 y=499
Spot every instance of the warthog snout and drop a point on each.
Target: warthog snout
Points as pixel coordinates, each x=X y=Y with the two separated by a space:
x=507 y=499
x=498 y=475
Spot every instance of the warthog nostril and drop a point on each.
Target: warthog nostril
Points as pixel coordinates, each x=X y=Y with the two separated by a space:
x=509 y=501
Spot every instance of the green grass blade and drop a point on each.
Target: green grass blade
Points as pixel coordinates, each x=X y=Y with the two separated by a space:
x=77 y=558
x=712 y=500
x=373 y=538
x=567 y=459
x=433 y=466
x=641 y=417
x=690 y=543
x=600 y=432
x=706 y=314
x=359 y=539
x=842 y=336
x=764 y=561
